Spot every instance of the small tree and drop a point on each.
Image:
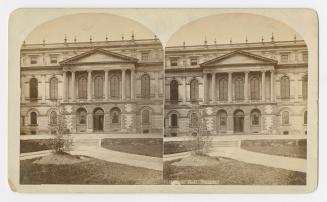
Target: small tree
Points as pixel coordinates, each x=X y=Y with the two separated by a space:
x=62 y=142
x=202 y=139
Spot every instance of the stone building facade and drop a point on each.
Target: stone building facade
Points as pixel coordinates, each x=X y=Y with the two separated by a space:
x=104 y=87
x=244 y=88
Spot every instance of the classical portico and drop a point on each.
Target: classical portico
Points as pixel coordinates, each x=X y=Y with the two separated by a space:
x=110 y=78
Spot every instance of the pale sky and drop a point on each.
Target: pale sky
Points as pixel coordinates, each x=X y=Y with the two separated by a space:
x=86 y=24
x=223 y=27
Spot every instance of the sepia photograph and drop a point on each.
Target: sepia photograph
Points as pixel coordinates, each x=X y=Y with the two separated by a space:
x=236 y=102
x=91 y=102
x=131 y=101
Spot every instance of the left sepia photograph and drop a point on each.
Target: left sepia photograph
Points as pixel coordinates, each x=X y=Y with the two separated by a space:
x=91 y=107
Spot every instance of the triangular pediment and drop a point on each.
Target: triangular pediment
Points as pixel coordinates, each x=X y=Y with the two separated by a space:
x=98 y=56
x=238 y=58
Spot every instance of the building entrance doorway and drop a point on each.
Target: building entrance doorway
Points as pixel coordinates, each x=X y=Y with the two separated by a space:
x=98 y=117
x=238 y=121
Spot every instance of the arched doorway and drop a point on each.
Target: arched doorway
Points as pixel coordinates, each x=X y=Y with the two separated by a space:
x=238 y=121
x=98 y=117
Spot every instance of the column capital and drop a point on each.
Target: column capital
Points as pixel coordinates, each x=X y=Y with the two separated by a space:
x=263 y=71
x=246 y=72
x=89 y=71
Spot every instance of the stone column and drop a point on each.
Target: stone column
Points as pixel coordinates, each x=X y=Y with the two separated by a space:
x=272 y=86
x=263 y=86
x=133 y=84
x=205 y=87
x=246 y=86
x=43 y=87
x=213 y=87
x=123 y=76
x=89 y=85
x=230 y=88
x=157 y=85
x=184 y=90
x=64 y=87
x=73 y=86
x=106 y=84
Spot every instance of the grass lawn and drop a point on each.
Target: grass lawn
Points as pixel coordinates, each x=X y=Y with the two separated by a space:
x=178 y=146
x=287 y=148
x=34 y=145
x=141 y=146
x=232 y=172
x=93 y=171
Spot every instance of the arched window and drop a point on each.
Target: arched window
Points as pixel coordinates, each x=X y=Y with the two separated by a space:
x=174 y=91
x=82 y=88
x=53 y=88
x=305 y=87
x=255 y=88
x=305 y=117
x=114 y=87
x=145 y=116
x=115 y=116
x=194 y=121
x=223 y=89
x=285 y=87
x=222 y=119
x=255 y=117
x=33 y=117
x=53 y=118
x=82 y=115
x=285 y=118
x=194 y=90
x=98 y=87
x=173 y=120
x=145 y=86
x=33 y=88
x=239 y=89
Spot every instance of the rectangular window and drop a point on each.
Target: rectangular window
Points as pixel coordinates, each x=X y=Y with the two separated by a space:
x=305 y=56
x=194 y=61
x=173 y=61
x=33 y=59
x=145 y=56
x=284 y=57
x=53 y=59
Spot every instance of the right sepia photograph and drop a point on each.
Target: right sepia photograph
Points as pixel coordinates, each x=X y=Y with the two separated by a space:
x=236 y=88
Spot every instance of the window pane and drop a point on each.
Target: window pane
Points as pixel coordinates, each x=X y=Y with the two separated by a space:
x=82 y=88
x=174 y=91
x=114 y=87
x=98 y=87
x=145 y=86
x=53 y=88
x=33 y=118
x=145 y=117
x=239 y=89
x=285 y=118
x=223 y=89
x=173 y=120
x=285 y=87
x=194 y=90
x=255 y=89
x=33 y=88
